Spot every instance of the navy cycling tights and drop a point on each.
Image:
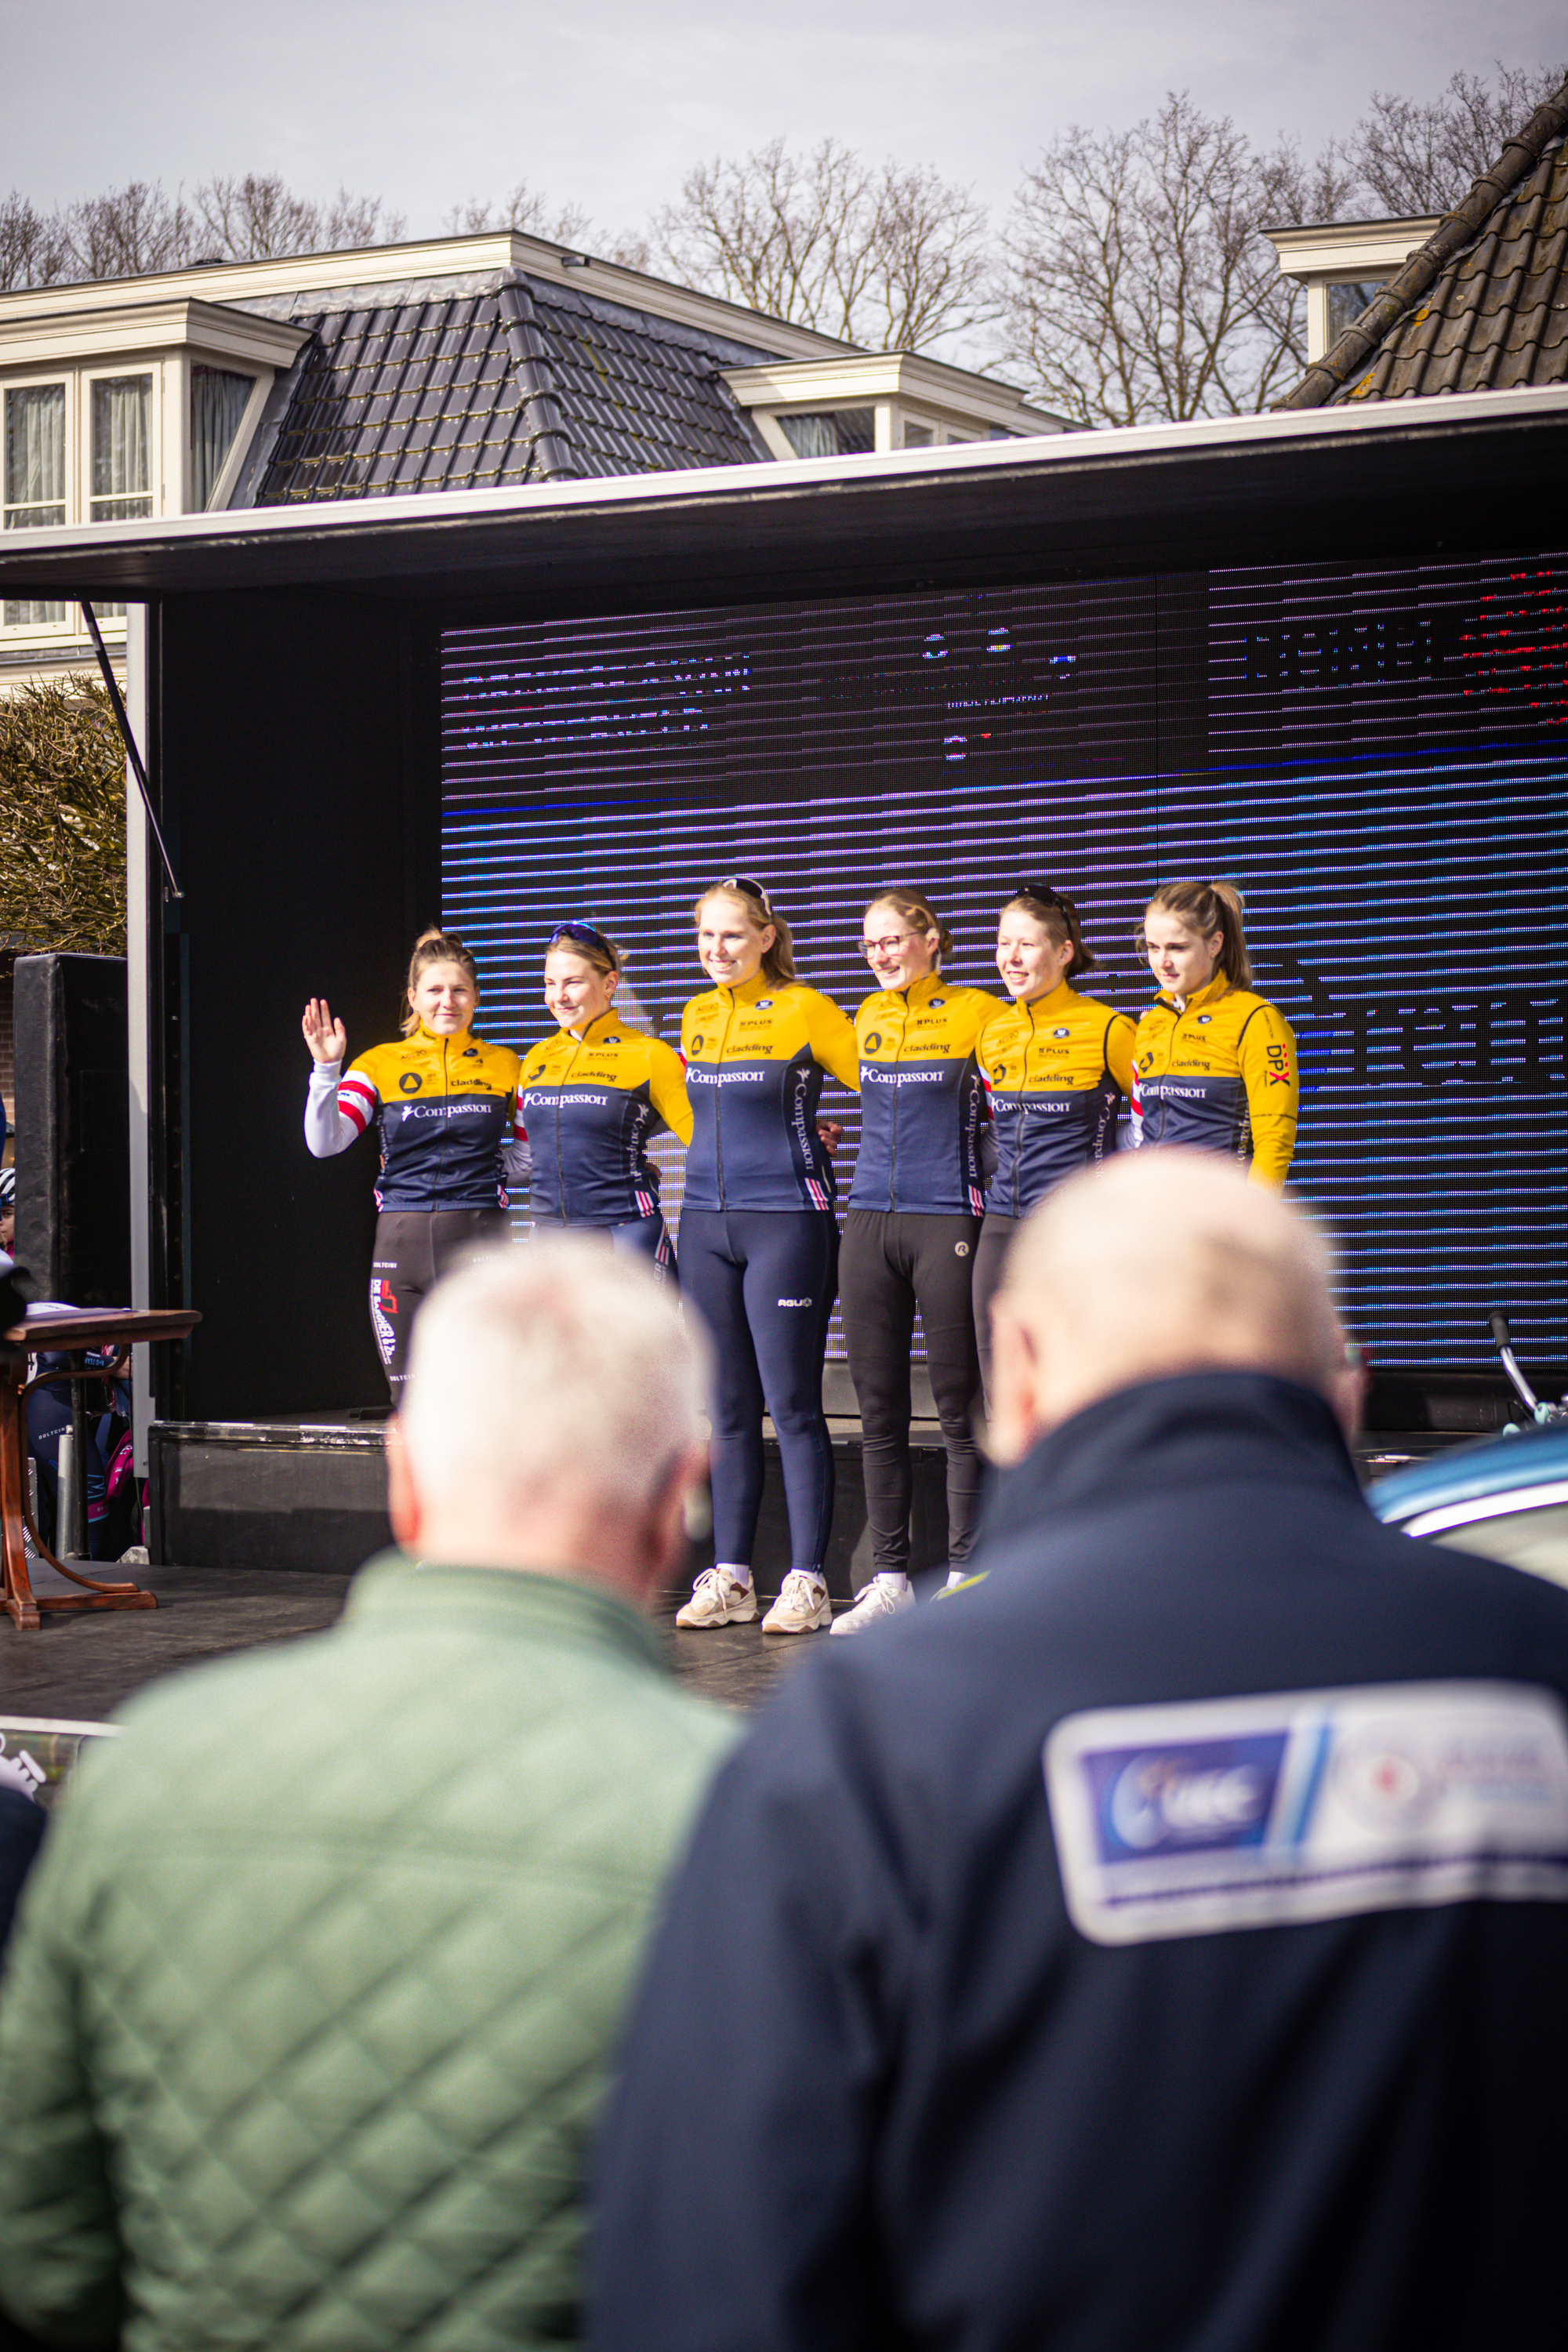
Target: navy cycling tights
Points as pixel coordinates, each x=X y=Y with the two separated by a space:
x=763 y=1281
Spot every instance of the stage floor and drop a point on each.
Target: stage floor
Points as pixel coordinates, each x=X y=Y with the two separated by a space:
x=79 y=1668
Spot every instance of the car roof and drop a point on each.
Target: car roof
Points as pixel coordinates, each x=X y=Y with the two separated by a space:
x=1494 y=1465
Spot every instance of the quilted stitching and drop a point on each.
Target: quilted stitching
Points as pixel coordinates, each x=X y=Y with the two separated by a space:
x=345 y=2007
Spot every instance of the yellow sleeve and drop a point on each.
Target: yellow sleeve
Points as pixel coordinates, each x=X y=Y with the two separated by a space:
x=1269 y=1073
x=1119 y=1038
x=667 y=1087
x=830 y=1034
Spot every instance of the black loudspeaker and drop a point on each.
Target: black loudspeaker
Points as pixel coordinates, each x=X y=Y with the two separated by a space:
x=73 y=1146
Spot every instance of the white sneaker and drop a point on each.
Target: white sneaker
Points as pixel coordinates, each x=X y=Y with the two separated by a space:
x=719 y=1599
x=882 y=1598
x=802 y=1606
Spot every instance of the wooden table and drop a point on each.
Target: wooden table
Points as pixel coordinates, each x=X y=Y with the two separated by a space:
x=73 y=1329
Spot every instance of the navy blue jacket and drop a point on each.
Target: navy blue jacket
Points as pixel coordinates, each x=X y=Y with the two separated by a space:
x=880 y=2090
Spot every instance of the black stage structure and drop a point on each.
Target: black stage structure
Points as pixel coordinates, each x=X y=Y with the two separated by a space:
x=1325 y=654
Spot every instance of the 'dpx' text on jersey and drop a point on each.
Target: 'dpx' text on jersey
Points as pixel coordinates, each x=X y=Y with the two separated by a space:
x=754 y=1058
x=1218 y=1074
x=922 y=1104
x=589 y=1105
x=446 y=1108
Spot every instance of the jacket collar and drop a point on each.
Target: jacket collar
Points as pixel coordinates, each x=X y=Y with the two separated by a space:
x=1177 y=1436
x=597 y=1024
x=1209 y=993
x=524 y=1603
x=1047 y=1007
x=428 y=1037
x=748 y=991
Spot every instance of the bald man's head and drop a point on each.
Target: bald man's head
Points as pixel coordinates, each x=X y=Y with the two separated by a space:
x=1155 y=1263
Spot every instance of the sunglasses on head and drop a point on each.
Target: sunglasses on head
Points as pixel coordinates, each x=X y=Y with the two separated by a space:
x=743 y=882
x=1042 y=894
x=583 y=933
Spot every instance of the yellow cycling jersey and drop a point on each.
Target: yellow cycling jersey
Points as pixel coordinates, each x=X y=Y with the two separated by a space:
x=754 y=1060
x=446 y=1108
x=923 y=1104
x=1057 y=1068
x=589 y=1105
x=1218 y=1073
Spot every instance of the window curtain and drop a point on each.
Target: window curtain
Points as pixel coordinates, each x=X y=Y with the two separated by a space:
x=34 y=456
x=218 y=403
x=122 y=447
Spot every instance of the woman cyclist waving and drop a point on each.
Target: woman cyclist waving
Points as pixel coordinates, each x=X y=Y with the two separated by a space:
x=444 y=1104
x=759 y=1243
x=590 y=1099
x=1213 y=1063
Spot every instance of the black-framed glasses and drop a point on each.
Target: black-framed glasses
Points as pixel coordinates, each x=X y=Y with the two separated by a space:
x=743 y=882
x=584 y=934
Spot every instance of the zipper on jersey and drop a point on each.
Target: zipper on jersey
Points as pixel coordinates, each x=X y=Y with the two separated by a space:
x=903 y=996
x=560 y=1172
x=719 y=1102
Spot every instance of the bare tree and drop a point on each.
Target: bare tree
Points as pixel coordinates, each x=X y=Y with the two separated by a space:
x=889 y=255
x=527 y=210
x=257 y=216
x=1140 y=285
x=1414 y=156
x=33 y=249
x=127 y=232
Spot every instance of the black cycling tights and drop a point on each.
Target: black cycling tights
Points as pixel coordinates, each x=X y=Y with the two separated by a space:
x=990 y=1264
x=894 y=1260
x=763 y=1282
x=413 y=1248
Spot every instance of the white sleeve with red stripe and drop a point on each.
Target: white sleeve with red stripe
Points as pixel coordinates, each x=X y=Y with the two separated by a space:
x=517 y=1152
x=337 y=1112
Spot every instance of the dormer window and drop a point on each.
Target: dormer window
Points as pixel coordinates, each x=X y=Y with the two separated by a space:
x=121 y=448
x=35 y=457
x=218 y=404
x=34 y=484
x=832 y=433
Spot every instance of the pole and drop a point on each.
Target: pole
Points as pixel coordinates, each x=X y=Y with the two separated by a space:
x=132 y=753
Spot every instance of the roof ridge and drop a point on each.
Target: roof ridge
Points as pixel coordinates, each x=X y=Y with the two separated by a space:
x=1458 y=228
x=543 y=423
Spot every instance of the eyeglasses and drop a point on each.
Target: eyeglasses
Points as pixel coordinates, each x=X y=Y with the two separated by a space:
x=744 y=883
x=871 y=948
x=583 y=933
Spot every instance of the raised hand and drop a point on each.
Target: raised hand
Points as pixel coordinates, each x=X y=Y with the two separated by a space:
x=327 y=1038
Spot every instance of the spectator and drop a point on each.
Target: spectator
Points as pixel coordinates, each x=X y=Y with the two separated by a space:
x=1161 y=1944
x=22 y=1822
x=306 y=2013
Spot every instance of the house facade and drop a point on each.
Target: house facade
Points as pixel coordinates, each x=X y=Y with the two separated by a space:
x=467 y=362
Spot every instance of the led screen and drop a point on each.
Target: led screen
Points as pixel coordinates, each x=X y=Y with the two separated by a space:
x=1376 y=755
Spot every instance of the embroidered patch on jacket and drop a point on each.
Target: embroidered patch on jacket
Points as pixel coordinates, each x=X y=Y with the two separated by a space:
x=1246 y=1812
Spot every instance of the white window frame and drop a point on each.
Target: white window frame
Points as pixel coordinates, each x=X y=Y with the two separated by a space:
x=115 y=371
x=44 y=632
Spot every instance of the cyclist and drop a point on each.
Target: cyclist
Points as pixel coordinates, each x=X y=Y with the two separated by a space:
x=1213 y=1064
x=759 y=1243
x=445 y=1105
x=1057 y=1064
x=591 y=1096
x=915 y=1208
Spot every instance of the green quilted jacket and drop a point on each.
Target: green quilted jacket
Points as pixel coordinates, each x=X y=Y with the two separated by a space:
x=305 y=2018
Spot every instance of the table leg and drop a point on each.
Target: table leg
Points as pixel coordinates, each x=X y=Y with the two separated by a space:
x=16 y=1597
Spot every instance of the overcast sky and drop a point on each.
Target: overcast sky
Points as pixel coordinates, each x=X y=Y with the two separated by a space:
x=429 y=101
